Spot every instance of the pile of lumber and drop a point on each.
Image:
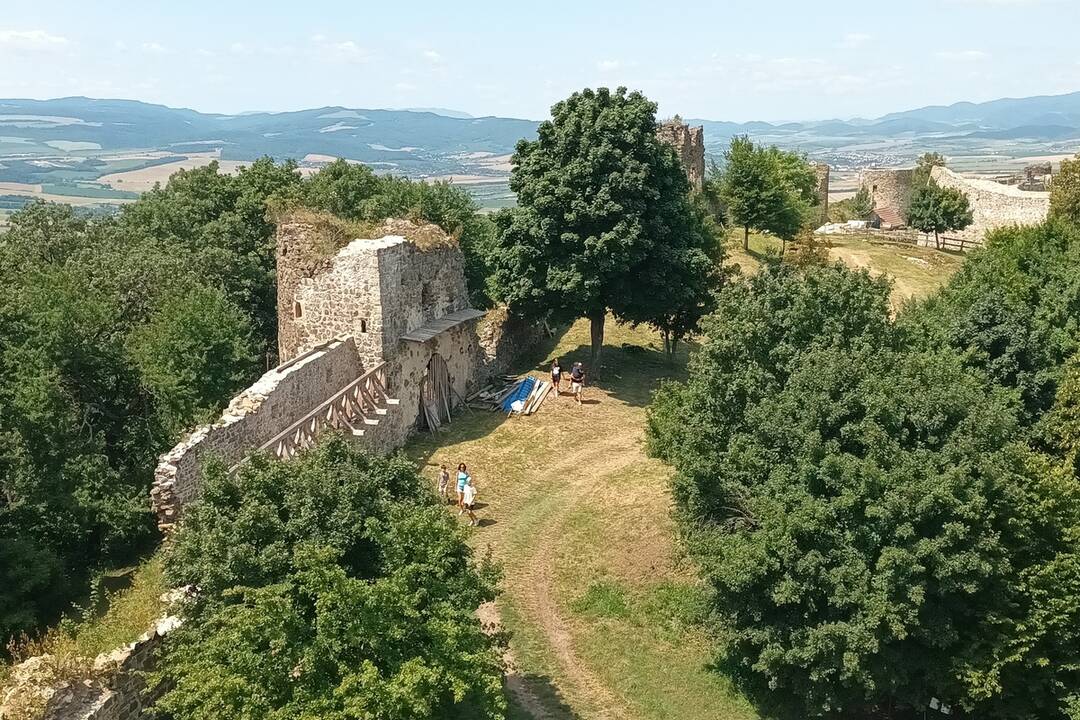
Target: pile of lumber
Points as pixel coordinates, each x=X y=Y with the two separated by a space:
x=506 y=390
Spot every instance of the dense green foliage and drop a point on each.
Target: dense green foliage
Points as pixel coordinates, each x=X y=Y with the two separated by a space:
x=331 y=587
x=118 y=333
x=765 y=189
x=936 y=209
x=889 y=510
x=1065 y=192
x=352 y=191
x=604 y=222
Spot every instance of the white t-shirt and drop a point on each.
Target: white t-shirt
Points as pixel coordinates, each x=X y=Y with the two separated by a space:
x=469 y=495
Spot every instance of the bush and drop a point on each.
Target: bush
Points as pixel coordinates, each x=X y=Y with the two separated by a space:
x=332 y=586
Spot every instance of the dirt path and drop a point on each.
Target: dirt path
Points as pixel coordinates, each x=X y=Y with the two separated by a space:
x=570 y=506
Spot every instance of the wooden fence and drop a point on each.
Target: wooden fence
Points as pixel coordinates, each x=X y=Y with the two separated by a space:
x=358 y=405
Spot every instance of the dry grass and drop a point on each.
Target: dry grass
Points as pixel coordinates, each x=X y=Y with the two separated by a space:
x=145 y=178
x=66 y=653
x=914 y=271
x=596 y=595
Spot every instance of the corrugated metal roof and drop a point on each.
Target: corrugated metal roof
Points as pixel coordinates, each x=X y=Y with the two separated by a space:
x=441 y=325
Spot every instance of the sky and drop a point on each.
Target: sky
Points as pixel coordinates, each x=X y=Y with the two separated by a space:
x=724 y=60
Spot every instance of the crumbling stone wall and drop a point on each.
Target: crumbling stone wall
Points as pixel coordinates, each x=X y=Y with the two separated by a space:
x=374 y=290
x=889 y=188
x=689 y=144
x=275 y=402
x=114 y=689
x=994 y=205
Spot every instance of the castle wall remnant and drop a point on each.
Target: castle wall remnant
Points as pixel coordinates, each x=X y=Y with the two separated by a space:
x=276 y=401
x=394 y=308
x=994 y=205
x=116 y=689
x=689 y=144
x=889 y=188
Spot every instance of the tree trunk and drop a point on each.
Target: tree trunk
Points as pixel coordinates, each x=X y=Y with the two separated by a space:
x=596 y=332
x=783 y=247
x=746 y=238
x=937 y=240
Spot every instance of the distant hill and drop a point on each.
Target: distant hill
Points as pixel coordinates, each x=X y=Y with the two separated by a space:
x=410 y=141
x=36 y=135
x=1047 y=110
x=443 y=111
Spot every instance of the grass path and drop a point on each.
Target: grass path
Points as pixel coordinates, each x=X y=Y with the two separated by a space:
x=603 y=612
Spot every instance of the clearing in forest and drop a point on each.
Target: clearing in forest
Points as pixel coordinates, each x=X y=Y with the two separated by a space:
x=602 y=609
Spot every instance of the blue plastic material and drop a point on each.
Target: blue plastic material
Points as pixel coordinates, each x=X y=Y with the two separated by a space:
x=522 y=392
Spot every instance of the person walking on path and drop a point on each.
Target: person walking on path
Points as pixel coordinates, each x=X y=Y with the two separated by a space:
x=468 y=502
x=444 y=484
x=577 y=381
x=462 y=480
x=556 y=377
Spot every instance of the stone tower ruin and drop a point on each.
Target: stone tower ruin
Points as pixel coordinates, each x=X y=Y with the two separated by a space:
x=689 y=144
x=377 y=339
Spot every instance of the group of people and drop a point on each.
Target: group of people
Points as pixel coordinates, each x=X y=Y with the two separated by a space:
x=465 y=497
x=577 y=379
x=466 y=491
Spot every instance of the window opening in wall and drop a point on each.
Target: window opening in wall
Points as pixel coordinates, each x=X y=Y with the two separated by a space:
x=363 y=325
x=425 y=295
x=874 y=189
x=297 y=311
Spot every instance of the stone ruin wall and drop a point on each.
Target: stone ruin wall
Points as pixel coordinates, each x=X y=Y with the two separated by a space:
x=889 y=188
x=280 y=398
x=373 y=290
x=115 y=690
x=689 y=144
x=993 y=205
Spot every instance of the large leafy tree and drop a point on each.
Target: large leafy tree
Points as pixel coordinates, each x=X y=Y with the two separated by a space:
x=1065 y=192
x=935 y=209
x=330 y=587
x=860 y=497
x=766 y=189
x=604 y=219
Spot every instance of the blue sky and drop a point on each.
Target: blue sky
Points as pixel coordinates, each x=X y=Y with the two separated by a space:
x=733 y=60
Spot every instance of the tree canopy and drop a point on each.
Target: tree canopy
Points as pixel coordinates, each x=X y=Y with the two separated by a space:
x=1065 y=192
x=936 y=209
x=604 y=220
x=333 y=586
x=766 y=189
x=888 y=510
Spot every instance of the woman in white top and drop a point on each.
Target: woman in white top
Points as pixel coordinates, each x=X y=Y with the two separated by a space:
x=468 y=500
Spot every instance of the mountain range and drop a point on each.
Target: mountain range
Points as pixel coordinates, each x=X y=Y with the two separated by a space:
x=433 y=141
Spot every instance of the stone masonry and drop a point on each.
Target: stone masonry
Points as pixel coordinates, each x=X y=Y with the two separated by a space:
x=994 y=205
x=821 y=173
x=113 y=689
x=889 y=188
x=689 y=144
x=347 y=307
x=278 y=399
